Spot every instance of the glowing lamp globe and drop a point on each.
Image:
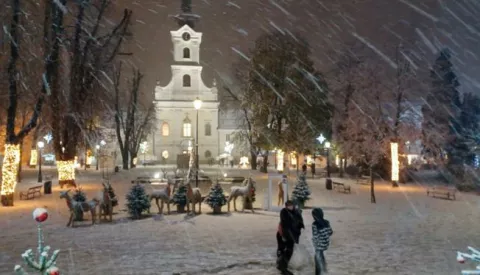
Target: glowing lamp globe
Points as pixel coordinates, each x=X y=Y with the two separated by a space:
x=197 y=103
x=40 y=214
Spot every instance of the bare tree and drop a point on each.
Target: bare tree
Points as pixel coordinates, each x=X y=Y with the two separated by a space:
x=91 y=51
x=52 y=32
x=132 y=122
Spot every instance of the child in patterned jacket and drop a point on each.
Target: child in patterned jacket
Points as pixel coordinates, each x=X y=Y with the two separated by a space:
x=321 y=232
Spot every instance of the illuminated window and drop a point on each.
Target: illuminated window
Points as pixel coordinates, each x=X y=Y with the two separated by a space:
x=186 y=53
x=186 y=81
x=187 y=128
x=208 y=129
x=165 y=129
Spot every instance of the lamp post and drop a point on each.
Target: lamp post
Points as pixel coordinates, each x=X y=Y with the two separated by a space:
x=327 y=146
x=40 y=145
x=97 y=148
x=197 y=103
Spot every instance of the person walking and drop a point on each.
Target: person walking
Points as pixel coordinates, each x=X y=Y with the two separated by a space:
x=312 y=167
x=321 y=232
x=288 y=235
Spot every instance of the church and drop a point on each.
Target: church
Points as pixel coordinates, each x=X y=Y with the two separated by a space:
x=177 y=117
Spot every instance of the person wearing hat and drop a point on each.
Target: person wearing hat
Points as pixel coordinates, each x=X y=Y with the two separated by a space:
x=288 y=235
x=321 y=232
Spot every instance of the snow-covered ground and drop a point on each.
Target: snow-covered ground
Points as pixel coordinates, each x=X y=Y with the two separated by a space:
x=406 y=232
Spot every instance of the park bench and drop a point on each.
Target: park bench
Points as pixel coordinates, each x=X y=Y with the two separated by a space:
x=341 y=187
x=142 y=180
x=31 y=192
x=231 y=180
x=447 y=192
x=363 y=180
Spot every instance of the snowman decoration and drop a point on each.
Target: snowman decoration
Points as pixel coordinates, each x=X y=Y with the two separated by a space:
x=42 y=265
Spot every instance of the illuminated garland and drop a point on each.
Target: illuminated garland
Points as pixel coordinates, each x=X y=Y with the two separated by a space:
x=33 y=157
x=66 y=170
x=395 y=164
x=10 y=168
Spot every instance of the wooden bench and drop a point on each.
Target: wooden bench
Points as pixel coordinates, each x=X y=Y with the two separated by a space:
x=341 y=187
x=363 y=180
x=449 y=193
x=31 y=192
x=142 y=180
x=230 y=180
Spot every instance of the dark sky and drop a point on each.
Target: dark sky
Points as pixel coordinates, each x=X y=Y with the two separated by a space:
x=329 y=25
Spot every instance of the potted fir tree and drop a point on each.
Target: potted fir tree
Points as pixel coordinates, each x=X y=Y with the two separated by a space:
x=79 y=196
x=180 y=198
x=301 y=193
x=137 y=201
x=216 y=199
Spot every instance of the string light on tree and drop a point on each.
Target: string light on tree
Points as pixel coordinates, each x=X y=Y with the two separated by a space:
x=9 y=173
x=66 y=172
x=395 y=164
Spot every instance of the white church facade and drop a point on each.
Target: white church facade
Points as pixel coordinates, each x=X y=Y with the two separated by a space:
x=176 y=115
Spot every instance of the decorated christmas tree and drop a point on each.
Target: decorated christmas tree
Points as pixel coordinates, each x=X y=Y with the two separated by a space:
x=180 y=196
x=137 y=201
x=43 y=266
x=216 y=199
x=301 y=193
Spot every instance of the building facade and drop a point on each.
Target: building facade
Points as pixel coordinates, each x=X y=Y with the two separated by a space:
x=177 y=118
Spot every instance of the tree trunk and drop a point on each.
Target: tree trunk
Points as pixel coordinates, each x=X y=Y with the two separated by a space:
x=253 y=160
x=264 y=168
x=66 y=172
x=9 y=173
x=125 y=159
x=372 y=187
x=133 y=160
x=19 y=174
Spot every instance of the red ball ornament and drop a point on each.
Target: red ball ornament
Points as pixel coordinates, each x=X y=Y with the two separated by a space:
x=53 y=271
x=40 y=214
x=460 y=259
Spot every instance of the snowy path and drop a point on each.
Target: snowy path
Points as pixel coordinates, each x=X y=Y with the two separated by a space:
x=406 y=232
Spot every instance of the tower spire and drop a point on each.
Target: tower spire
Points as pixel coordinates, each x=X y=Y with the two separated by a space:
x=186 y=17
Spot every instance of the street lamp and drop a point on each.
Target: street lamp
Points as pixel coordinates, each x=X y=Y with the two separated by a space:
x=327 y=146
x=40 y=145
x=97 y=148
x=197 y=104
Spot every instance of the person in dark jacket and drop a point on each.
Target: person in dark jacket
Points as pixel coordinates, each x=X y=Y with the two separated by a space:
x=304 y=168
x=289 y=229
x=321 y=232
x=312 y=167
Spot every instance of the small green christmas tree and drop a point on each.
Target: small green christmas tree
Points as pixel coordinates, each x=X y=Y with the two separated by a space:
x=301 y=193
x=79 y=196
x=137 y=201
x=216 y=199
x=112 y=195
x=180 y=196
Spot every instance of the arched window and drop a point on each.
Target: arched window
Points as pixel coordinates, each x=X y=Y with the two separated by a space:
x=186 y=80
x=208 y=154
x=187 y=128
x=186 y=53
x=208 y=129
x=165 y=129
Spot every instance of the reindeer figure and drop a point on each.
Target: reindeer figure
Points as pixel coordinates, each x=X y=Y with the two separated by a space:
x=105 y=202
x=164 y=196
x=245 y=192
x=73 y=205
x=194 y=196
